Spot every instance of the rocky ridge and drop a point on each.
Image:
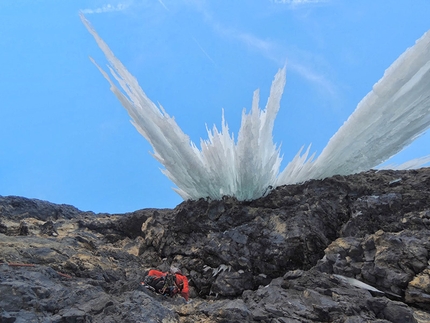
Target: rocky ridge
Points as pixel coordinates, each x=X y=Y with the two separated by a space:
x=345 y=249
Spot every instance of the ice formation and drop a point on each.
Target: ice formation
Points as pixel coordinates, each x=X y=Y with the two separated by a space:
x=389 y=118
x=386 y=120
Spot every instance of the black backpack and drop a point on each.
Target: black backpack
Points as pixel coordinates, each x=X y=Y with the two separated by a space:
x=165 y=285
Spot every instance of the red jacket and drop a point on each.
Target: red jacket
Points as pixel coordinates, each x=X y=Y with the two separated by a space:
x=181 y=282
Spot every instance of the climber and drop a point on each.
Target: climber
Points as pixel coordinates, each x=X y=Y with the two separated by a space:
x=170 y=283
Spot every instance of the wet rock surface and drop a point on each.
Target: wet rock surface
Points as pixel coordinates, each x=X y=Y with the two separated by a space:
x=344 y=249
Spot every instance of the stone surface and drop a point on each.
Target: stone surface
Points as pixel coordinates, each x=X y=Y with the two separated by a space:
x=282 y=258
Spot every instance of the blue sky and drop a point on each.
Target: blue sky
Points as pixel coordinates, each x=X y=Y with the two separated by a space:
x=65 y=138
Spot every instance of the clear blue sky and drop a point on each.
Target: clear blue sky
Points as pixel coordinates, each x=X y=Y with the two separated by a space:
x=65 y=138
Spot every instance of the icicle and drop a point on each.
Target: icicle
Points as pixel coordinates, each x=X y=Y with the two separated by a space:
x=388 y=119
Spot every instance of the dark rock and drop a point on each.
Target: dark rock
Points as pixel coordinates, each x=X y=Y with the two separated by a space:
x=18 y=208
x=418 y=290
x=232 y=283
x=344 y=249
x=48 y=228
x=23 y=229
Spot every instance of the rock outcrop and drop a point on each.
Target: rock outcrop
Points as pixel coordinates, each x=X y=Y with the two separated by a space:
x=345 y=249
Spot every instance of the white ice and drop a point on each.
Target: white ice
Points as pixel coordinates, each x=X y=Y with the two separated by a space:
x=388 y=119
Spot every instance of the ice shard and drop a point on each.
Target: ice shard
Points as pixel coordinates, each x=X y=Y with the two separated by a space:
x=388 y=119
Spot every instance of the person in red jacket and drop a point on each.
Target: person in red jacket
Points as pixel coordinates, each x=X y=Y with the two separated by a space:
x=180 y=282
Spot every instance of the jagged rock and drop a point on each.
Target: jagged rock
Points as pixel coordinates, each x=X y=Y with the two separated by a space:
x=387 y=261
x=275 y=259
x=319 y=297
x=418 y=291
x=18 y=208
x=48 y=228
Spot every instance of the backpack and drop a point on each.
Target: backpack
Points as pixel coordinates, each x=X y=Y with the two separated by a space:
x=165 y=285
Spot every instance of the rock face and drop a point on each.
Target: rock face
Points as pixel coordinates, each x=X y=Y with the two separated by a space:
x=344 y=249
